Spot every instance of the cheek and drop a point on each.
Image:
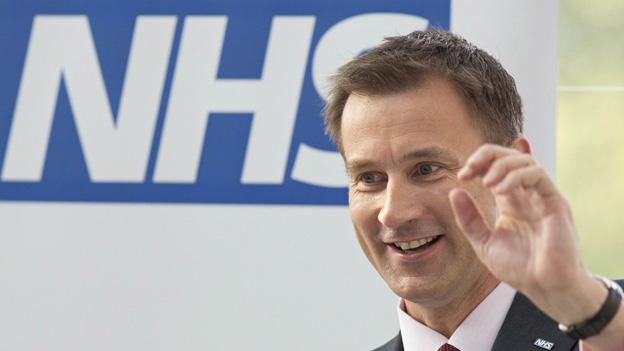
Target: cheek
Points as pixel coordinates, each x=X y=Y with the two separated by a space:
x=437 y=198
x=482 y=196
x=440 y=205
x=363 y=209
x=364 y=218
x=442 y=186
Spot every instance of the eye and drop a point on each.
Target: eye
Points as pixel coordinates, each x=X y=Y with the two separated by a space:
x=370 y=178
x=368 y=181
x=426 y=169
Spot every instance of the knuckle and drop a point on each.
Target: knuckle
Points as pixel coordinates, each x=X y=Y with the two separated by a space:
x=499 y=165
x=514 y=176
x=527 y=158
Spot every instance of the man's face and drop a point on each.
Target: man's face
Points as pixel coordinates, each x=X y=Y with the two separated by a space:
x=403 y=152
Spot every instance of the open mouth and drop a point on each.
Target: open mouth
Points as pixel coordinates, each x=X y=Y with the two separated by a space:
x=416 y=245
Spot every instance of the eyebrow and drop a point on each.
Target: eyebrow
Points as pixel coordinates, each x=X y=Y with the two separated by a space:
x=430 y=152
x=435 y=152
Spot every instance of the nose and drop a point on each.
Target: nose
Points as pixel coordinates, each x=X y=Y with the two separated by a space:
x=401 y=203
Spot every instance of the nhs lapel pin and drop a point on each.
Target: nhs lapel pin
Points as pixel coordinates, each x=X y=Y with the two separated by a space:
x=544 y=344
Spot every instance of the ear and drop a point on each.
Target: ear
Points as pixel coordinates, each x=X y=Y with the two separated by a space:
x=522 y=144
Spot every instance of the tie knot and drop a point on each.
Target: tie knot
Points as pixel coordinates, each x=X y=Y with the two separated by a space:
x=448 y=347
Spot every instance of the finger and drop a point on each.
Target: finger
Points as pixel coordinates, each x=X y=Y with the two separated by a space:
x=532 y=177
x=479 y=162
x=502 y=166
x=469 y=218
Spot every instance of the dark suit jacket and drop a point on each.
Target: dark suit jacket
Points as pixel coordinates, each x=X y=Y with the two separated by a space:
x=523 y=325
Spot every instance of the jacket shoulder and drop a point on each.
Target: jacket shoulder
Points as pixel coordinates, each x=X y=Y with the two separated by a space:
x=395 y=344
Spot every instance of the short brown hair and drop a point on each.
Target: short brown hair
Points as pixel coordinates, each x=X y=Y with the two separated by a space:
x=403 y=62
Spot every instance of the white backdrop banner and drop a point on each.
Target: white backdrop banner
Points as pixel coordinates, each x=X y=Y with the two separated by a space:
x=165 y=183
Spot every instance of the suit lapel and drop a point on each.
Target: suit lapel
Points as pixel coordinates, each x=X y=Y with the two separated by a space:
x=524 y=325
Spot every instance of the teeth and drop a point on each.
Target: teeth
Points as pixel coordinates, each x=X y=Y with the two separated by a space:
x=414 y=244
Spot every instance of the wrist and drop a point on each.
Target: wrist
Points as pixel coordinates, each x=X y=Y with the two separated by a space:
x=583 y=302
x=599 y=321
x=579 y=298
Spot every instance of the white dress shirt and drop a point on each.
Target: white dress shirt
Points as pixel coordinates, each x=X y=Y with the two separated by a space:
x=476 y=333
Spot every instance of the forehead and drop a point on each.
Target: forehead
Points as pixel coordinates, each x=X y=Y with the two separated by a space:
x=432 y=115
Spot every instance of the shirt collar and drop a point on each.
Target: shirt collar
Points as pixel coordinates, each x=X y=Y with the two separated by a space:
x=485 y=320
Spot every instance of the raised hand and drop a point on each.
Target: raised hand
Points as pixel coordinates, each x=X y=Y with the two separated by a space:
x=532 y=245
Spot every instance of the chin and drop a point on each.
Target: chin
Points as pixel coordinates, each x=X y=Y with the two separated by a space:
x=418 y=289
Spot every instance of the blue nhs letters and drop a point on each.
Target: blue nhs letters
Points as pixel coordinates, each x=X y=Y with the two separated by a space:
x=178 y=127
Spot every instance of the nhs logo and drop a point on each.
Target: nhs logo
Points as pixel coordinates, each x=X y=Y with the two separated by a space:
x=186 y=101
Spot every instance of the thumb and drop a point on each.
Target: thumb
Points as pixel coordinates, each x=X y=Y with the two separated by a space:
x=469 y=218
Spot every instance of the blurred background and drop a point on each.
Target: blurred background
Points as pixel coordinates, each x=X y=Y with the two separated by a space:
x=590 y=127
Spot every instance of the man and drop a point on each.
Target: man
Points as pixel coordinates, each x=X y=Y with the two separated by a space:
x=451 y=209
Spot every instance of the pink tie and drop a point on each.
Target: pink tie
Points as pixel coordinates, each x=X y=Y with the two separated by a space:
x=448 y=347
